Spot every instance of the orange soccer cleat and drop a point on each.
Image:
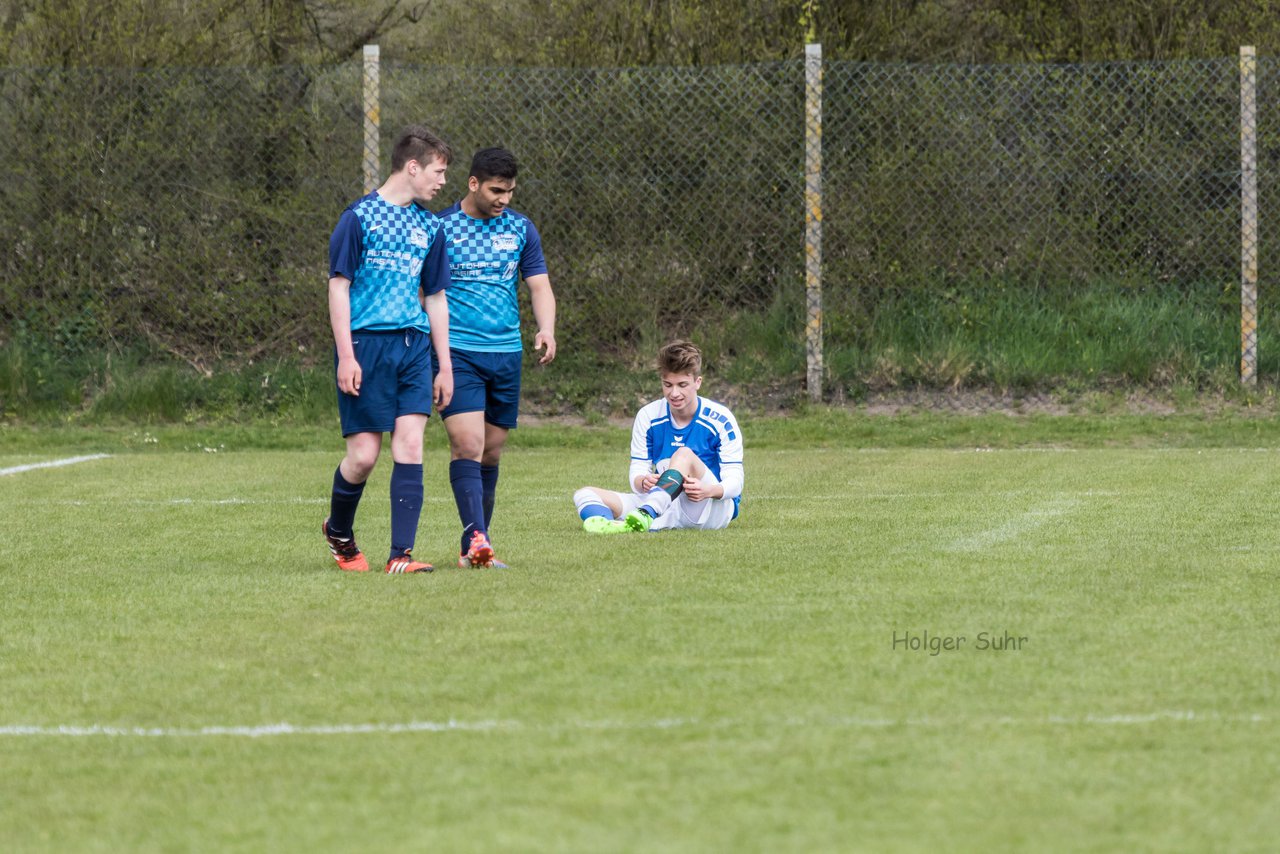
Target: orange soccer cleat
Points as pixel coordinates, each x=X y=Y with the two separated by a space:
x=345 y=552
x=479 y=554
x=405 y=564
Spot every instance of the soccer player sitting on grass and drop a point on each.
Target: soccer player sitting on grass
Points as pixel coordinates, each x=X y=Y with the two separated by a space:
x=686 y=459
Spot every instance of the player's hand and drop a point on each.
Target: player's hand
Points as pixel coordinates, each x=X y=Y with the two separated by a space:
x=547 y=340
x=699 y=491
x=442 y=388
x=648 y=481
x=349 y=376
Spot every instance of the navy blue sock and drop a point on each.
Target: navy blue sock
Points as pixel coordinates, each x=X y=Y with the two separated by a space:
x=489 y=479
x=468 y=494
x=342 y=505
x=406 y=506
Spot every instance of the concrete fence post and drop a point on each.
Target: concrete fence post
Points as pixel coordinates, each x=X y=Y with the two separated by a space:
x=1248 y=216
x=372 y=114
x=813 y=218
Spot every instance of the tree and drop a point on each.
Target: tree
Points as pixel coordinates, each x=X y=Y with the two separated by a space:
x=154 y=33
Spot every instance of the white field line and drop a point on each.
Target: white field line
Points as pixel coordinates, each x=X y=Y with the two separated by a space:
x=52 y=464
x=967 y=495
x=287 y=729
x=565 y=499
x=176 y=502
x=1014 y=527
x=977 y=449
x=209 y=502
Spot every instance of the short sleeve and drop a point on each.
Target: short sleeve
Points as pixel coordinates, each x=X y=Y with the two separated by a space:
x=435 y=270
x=346 y=245
x=531 y=261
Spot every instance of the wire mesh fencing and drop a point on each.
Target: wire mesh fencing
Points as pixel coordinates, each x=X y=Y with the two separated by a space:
x=968 y=190
x=183 y=209
x=666 y=197
x=188 y=210
x=1043 y=174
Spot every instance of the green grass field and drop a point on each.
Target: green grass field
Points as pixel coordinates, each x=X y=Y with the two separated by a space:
x=183 y=667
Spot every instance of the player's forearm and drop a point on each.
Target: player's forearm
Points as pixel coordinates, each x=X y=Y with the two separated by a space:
x=340 y=316
x=543 y=301
x=437 y=308
x=731 y=481
x=639 y=470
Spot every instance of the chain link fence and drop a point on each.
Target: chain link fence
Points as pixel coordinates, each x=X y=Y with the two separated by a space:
x=666 y=197
x=184 y=209
x=188 y=210
x=1042 y=174
x=960 y=181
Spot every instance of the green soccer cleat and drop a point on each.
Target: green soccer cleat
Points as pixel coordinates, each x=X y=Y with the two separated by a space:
x=638 y=521
x=603 y=525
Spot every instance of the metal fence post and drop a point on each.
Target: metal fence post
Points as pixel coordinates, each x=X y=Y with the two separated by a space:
x=1248 y=216
x=372 y=110
x=813 y=217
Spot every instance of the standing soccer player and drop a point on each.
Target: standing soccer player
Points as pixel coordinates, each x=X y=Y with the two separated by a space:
x=388 y=307
x=490 y=248
x=686 y=459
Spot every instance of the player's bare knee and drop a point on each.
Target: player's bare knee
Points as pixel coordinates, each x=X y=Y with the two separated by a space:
x=687 y=463
x=406 y=449
x=590 y=495
x=495 y=440
x=361 y=457
x=357 y=468
x=466 y=447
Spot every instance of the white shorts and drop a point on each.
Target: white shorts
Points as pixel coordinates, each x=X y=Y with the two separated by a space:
x=709 y=515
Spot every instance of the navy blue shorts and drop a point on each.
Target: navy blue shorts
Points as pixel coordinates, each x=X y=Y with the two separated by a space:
x=488 y=383
x=396 y=377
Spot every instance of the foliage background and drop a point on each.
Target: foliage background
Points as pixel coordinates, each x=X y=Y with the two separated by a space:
x=172 y=171
x=586 y=33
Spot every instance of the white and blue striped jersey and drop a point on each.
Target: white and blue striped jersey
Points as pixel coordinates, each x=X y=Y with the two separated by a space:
x=487 y=257
x=388 y=252
x=713 y=435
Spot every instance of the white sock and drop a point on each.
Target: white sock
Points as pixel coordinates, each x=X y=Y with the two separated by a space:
x=657 y=501
x=586 y=497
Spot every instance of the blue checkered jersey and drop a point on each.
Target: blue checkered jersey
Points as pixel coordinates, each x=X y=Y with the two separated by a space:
x=486 y=259
x=388 y=252
x=713 y=435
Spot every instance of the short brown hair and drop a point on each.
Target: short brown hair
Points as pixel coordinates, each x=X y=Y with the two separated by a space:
x=420 y=143
x=680 y=357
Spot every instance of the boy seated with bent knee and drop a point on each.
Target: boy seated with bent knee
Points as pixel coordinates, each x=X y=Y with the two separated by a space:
x=686 y=459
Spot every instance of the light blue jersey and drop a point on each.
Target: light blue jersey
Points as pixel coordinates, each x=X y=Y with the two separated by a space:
x=388 y=252
x=487 y=257
x=713 y=435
